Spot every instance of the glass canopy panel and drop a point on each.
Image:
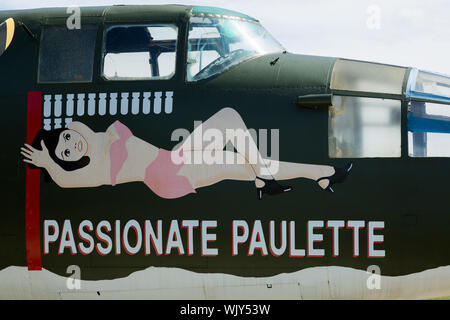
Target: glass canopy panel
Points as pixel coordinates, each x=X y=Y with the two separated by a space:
x=364 y=127
x=140 y=52
x=360 y=76
x=218 y=42
x=219 y=12
x=432 y=84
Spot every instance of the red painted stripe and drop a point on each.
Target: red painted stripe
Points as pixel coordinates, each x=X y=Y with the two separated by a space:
x=32 y=186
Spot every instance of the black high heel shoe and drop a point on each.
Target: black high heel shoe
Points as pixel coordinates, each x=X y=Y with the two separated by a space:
x=340 y=174
x=271 y=187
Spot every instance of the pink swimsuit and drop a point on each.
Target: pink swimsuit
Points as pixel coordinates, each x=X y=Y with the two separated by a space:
x=117 y=151
x=161 y=176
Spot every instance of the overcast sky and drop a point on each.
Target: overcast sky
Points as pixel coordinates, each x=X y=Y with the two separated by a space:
x=405 y=32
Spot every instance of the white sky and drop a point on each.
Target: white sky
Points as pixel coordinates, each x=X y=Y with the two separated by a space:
x=405 y=32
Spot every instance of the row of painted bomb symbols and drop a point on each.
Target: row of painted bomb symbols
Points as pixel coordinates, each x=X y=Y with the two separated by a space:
x=82 y=104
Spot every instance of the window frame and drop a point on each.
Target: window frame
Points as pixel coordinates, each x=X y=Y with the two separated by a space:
x=191 y=83
x=400 y=101
x=178 y=51
x=402 y=97
x=407 y=95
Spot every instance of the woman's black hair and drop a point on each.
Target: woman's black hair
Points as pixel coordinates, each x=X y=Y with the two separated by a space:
x=51 y=139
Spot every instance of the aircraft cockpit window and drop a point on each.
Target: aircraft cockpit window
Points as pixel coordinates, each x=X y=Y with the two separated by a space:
x=217 y=43
x=142 y=52
x=67 y=55
x=364 y=127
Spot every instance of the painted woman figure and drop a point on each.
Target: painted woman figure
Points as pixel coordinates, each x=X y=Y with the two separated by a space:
x=78 y=157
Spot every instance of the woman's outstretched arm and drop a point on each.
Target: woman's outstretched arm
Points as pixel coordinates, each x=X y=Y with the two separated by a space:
x=83 y=177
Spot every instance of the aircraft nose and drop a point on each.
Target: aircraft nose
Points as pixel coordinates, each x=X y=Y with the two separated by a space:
x=293 y=71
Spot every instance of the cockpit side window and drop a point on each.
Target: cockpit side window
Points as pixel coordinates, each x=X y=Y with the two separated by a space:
x=140 y=52
x=216 y=43
x=362 y=127
x=67 y=55
x=365 y=126
x=203 y=48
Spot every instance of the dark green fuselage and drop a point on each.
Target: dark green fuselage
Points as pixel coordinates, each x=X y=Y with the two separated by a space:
x=408 y=194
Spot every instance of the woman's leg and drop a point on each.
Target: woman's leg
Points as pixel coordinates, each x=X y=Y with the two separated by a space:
x=227 y=126
x=202 y=175
x=290 y=170
x=223 y=127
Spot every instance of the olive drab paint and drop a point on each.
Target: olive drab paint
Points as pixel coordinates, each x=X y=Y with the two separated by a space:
x=122 y=206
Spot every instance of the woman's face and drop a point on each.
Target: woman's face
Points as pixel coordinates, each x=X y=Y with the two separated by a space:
x=71 y=146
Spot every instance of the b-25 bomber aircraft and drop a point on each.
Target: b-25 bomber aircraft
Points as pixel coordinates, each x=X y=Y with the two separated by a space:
x=180 y=152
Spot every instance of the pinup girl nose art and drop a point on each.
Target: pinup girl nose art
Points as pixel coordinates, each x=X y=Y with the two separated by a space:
x=79 y=157
x=71 y=146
